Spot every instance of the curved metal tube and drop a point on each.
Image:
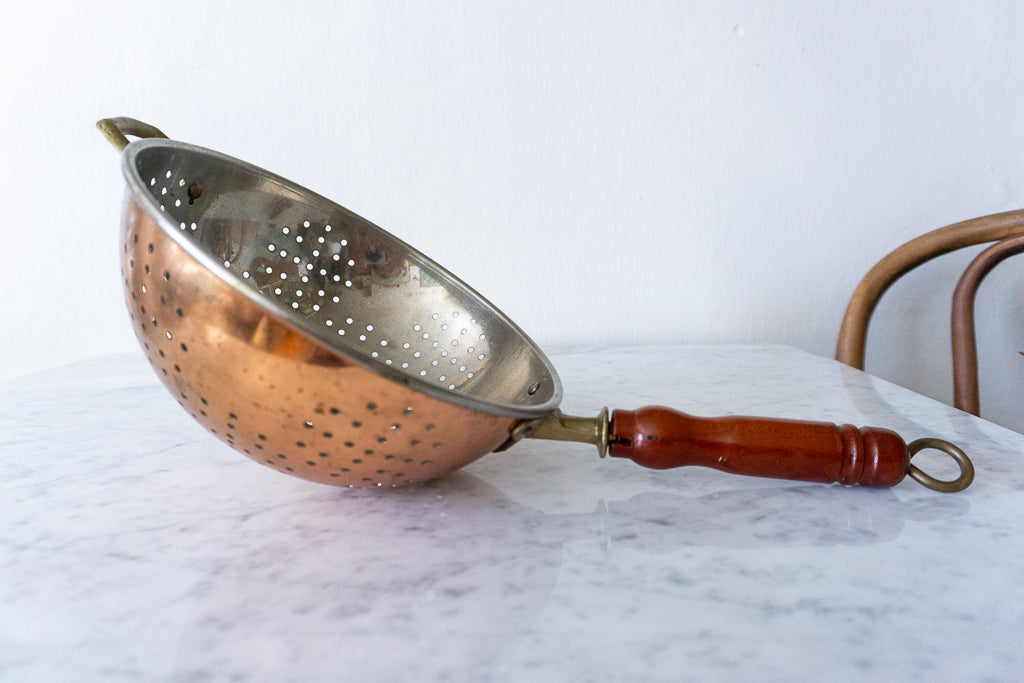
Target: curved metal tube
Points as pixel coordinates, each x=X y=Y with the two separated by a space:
x=116 y=130
x=854 y=330
x=965 y=350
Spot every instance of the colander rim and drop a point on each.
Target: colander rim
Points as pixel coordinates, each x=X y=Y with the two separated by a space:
x=340 y=346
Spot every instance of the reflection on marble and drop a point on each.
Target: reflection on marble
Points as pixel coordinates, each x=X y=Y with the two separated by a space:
x=133 y=546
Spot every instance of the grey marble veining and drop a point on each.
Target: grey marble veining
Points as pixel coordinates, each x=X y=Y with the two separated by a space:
x=134 y=546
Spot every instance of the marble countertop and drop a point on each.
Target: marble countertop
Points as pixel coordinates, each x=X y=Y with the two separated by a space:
x=134 y=546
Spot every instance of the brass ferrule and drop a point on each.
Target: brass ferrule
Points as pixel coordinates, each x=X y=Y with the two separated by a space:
x=560 y=427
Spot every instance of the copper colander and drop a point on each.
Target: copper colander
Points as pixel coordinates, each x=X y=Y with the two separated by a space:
x=320 y=345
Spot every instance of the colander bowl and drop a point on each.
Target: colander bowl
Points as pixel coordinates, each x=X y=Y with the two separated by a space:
x=308 y=338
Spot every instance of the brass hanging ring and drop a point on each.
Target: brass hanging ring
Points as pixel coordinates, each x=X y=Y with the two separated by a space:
x=966 y=466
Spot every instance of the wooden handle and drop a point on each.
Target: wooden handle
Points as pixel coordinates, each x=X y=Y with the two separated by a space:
x=661 y=438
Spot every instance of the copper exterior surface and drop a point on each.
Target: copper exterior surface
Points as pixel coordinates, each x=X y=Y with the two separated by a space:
x=272 y=393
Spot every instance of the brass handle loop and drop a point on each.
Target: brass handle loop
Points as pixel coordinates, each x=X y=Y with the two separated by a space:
x=117 y=129
x=966 y=466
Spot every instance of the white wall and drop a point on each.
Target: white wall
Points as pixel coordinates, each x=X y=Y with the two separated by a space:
x=604 y=172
